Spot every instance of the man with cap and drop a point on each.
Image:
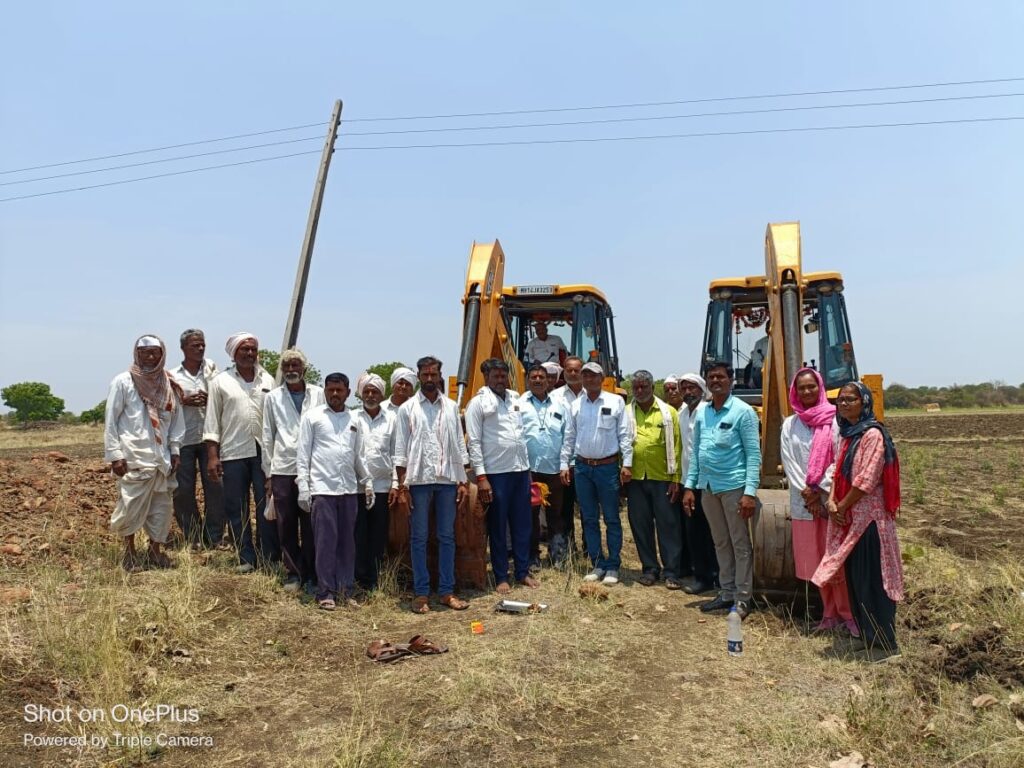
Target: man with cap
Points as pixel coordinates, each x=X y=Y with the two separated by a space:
x=725 y=465
x=378 y=442
x=403 y=384
x=193 y=376
x=673 y=396
x=233 y=433
x=654 y=490
x=597 y=436
x=543 y=348
x=697 y=540
x=143 y=430
x=497 y=452
x=282 y=409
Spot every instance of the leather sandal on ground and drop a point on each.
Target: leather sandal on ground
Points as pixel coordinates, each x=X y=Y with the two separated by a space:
x=421 y=604
x=421 y=646
x=384 y=652
x=327 y=604
x=454 y=603
x=646 y=579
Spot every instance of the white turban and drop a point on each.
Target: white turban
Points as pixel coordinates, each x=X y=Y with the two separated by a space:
x=552 y=369
x=369 y=380
x=671 y=380
x=694 y=378
x=235 y=341
x=403 y=374
x=148 y=341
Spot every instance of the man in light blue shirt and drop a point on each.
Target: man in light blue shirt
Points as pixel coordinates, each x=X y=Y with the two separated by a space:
x=725 y=465
x=544 y=426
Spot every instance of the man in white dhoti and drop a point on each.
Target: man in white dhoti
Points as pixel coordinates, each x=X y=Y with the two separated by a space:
x=145 y=426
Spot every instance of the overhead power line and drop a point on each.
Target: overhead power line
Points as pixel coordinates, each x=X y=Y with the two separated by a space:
x=161 y=160
x=648 y=118
x=678 y=102
x=161 y=175
x=578 y=140
x=636 y=105
x=602 y=121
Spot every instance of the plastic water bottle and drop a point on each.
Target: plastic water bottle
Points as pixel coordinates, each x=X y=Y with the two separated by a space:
x=735 y=633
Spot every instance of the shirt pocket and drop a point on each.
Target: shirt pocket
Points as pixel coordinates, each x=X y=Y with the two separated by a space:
x=723 y=436
x=606 y=421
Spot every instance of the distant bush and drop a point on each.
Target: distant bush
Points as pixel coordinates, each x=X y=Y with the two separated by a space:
x=94 y=415
x=986 y=395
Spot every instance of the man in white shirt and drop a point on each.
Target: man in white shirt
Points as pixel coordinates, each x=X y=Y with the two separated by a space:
x=431 y=459
x=566 y=395
x=193 y=376
x=233 y=432
x=598 y=436
x=282 y=409
x=143 y=429
x=373 y=522
x=543 y=348
x=497 y=452
x=700 y=545
x=331 y=474
x=403 y=384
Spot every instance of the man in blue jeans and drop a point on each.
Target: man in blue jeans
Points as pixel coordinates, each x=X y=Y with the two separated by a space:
x=597 y=433
x=431 y=459
x=233 y=431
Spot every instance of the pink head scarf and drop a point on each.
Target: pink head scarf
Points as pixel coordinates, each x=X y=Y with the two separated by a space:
x=818 y=417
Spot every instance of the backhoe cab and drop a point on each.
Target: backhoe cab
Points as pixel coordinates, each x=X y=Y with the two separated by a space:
x=771 y=325
x=501 y=321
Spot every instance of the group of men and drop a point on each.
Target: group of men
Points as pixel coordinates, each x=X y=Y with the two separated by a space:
x=688 y=467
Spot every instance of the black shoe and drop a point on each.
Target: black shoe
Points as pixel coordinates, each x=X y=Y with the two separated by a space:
x=694 y=586
x=647 y=579
x=718 y=604
x=742 y=609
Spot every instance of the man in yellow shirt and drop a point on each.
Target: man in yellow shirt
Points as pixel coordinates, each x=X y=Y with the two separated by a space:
x=654 y=489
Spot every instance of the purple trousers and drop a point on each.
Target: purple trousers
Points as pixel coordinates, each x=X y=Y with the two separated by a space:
x=293 y=528
x=334 y=530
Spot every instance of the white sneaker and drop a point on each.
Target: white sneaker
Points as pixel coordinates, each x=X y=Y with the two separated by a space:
x=611 y=577
x=595 y=575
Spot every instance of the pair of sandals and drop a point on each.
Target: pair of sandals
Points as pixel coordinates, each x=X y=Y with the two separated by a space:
x=648 y=580
x=385 y=652
x=421 y=603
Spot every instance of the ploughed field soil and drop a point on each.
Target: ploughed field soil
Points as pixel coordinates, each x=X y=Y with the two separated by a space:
x=635 y=677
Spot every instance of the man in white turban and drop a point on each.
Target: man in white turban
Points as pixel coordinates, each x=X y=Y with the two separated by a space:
x=144 y=428
x=673 y=395
x=233 y=433
x=700 y=546
x=554 y=372
x=373 y=521
x=282 y=409
x=403 y=384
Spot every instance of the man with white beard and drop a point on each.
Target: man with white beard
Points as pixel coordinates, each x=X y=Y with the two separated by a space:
x=282 y=409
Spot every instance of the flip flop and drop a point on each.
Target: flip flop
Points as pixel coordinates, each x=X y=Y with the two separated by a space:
x=326 y=604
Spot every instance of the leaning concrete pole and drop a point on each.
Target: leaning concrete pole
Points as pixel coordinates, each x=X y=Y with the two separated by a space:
x=291 y=329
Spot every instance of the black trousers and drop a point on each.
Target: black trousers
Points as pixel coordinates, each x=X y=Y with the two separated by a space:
x=874 y=612
x=371 y=539
x=569 y=513
x=652 y=515
x=700 y=547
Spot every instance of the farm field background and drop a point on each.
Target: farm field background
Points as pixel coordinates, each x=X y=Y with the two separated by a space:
x=640 y=678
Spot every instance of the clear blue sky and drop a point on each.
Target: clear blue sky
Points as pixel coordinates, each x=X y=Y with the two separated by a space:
x=924 y=222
